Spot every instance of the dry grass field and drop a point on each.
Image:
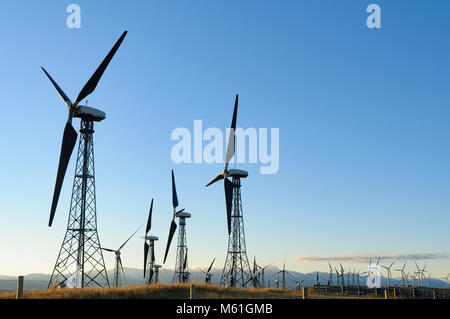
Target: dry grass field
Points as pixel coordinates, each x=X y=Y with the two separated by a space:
x=202 y=291
x=159 y=291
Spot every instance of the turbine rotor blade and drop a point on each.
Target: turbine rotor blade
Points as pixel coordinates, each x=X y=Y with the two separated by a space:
x=129 y=238
x=149 y=221
x=185 y=260
x=151 y=275
x=232 y=139
x=107 y=249
x=121 y=267
x=60 y=91
x=90 y=86
x=174 y=193
x=209 y=269
x=173 y=228
x=146 y=247
x=68 y=144
x=217 y=178
x=228 y=185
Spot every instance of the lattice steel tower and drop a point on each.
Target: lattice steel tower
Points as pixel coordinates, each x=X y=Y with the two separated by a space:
x=181 y=266
x=80 y=261
x=236 y=271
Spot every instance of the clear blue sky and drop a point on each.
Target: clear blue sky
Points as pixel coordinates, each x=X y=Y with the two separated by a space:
x=363 y=117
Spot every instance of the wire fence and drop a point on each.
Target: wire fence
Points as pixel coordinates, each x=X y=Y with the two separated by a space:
x=389 y=293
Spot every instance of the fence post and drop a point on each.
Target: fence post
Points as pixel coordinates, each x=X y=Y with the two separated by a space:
x=342 y=290
x=395 y=293
x=192 y=292
x=304 y=293
x=413 y=294
x=19 y=291
x=434 y=294
x=386 y=293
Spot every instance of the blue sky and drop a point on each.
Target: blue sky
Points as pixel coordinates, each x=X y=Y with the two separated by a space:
x=363 y=118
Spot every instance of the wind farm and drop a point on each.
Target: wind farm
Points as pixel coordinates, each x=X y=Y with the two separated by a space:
x=264 y=158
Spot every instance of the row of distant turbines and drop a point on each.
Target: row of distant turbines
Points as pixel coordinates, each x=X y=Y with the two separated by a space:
x=351 y=277
x=80 y=262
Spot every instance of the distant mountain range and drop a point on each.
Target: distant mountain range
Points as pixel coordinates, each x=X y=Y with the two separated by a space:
x=135 y=277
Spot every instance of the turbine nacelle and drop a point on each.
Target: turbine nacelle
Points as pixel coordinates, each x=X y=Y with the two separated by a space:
x=151 y=238
x=183 y=214
x=90 y=113
x=238 y=173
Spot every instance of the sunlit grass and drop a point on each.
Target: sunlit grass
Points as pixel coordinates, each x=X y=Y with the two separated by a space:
x=159 y=291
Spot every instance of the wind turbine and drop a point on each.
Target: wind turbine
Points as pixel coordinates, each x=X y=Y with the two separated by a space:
x=179 y=275
x=338 y=276
x=80 y=256
x=446 y=280
x=262 y=272
x=149 y=248
x=118 y=267
x=298 y=284
x=236 y=270
x=283 y=272
x=358 y=276
x=428 y=280
x=342 y=275
x=254 y=276
x=389 y=274
x=421 y=274
x=402 y=271
x=207 y=274
x=348 y=277
x=330 y=277
x=353 y=276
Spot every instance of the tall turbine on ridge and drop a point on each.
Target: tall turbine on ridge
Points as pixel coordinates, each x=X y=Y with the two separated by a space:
x=236 y=271
x=181 y=274
x=149 y=249
x=80 y=261
x=119 y=267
